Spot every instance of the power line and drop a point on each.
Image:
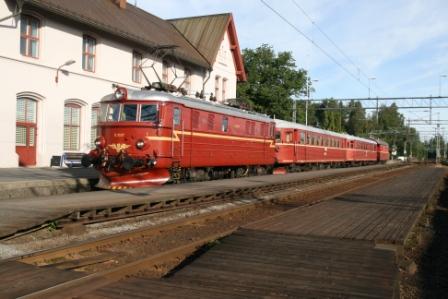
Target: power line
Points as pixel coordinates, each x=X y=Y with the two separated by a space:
x=329 y=39
x=337 y=47
x=374 y=108
x=314 y=43
x=378 y=99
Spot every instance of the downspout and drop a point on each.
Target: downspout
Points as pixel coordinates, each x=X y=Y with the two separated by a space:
x=17 y=11
x=202 y=95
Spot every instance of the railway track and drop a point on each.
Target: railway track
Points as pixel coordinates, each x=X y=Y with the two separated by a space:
x=108 y=213
x=103 y=259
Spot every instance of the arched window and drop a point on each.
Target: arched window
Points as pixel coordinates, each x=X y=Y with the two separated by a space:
x=29 y=36
x=72 y=124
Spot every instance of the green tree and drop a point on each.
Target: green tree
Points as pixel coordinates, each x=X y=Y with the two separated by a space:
x=356 y=123
x=329 y=115
x=272 y=81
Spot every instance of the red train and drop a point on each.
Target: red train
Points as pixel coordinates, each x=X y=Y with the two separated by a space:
x=299 y=146
x=149 y=137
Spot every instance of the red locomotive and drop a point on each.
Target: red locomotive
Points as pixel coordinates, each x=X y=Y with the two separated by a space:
x=149 y=137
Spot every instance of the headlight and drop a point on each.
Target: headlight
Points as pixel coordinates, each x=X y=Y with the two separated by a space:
x=140 y=144
x=120 y=94
x=100 y=142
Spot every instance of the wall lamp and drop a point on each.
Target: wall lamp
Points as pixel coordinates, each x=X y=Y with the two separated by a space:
x=70 y=62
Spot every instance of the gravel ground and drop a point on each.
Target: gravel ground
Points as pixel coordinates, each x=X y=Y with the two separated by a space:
x=51 y=238
x=424 y=265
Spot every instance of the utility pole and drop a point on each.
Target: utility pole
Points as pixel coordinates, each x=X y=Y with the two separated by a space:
x=430 y=108
x=377 y=111
x=438 y=143
x=294 y=111
x=306 y=104
x=407 y=137
x=444 y=144
x=308 y=85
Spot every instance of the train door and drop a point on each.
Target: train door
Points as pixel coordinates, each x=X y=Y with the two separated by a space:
x=296 y=144
x=26 y=131
x=177 y=136
x=350 y=150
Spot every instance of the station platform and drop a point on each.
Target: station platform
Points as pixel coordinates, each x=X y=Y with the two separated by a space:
x=334 y=249
x=24 y=213
x=33 y=182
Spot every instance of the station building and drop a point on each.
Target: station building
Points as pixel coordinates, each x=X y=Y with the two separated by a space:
x=58 y=58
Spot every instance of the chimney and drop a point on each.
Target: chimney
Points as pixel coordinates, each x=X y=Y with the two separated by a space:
x=121 y=3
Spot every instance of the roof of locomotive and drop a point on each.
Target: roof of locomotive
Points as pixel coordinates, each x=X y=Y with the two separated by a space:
x=159 y=96
x=286 y=124
x=379 y=141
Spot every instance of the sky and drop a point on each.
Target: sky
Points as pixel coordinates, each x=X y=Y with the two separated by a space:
x=402 y=45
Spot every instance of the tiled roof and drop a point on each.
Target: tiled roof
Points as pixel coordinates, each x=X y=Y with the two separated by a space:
x=131 y=23
x=206 y=33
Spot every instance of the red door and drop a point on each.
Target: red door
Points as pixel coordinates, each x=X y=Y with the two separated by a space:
x=26 y=131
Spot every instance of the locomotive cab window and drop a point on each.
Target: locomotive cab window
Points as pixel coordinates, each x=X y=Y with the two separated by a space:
x=149 y=113
x=129 y=112
x=176 y=116
x=278 y=137
x=225 y=124
x=113 y=112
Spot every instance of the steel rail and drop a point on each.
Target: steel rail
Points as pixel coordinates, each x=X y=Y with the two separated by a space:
x=109 y=213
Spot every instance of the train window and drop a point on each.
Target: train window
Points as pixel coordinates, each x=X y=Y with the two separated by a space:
x=302 y=137
x=278 y=137
x=103 y=112
x=176 y=116
x=113 y=112
x=252 y=128
x=149 y=113
x=211 y=121
x=225 y=124
x=129 y=112
x=195 y=119
x=288 y=137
